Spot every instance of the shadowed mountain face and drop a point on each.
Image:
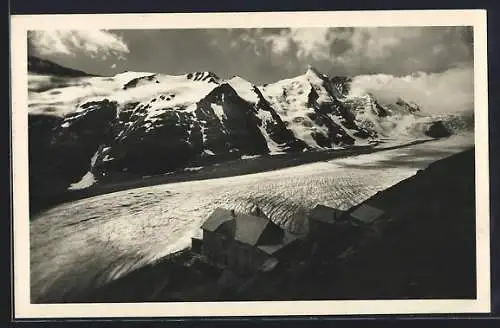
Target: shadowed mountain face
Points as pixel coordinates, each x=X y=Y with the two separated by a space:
x=60 y=148
x=41 y=66
x=143 y=123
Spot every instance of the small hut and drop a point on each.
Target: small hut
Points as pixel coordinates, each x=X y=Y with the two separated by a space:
x=324 y=220
x=365 y=215
x=329 y=230
x=242 y=242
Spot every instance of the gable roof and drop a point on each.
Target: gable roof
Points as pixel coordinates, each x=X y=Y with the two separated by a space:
x=249 y=228
x=216 y=219
x=272 y=249
x=325 y=214
x=366 y=214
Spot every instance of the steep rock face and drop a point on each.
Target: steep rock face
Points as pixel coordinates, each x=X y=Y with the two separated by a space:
x=275 y=128
x=163 y=148
x=60 y=149
x=44 y=178
x=458 y=123
x=220 y=123
x=239 y=120
x=158 y=139
x=437 y=130
x=80 y=134
x=310 y=110
x=341 y=85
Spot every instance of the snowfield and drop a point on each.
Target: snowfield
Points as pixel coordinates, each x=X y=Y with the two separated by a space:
x=83 y=244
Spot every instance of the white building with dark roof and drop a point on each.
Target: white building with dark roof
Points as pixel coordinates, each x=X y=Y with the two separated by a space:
x=323 y=219
x=246 y=243
x=241 y=242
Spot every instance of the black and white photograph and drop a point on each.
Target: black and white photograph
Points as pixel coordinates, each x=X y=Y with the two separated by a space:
x=265 y=162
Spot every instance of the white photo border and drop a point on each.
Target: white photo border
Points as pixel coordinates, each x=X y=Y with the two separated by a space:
x=20 y=24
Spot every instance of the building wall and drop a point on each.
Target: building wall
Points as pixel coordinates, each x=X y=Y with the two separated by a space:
x=291 y=251
x=196 y=245
x=215 y=247
x=239 y=257
x=332 y=239
x=244 y=258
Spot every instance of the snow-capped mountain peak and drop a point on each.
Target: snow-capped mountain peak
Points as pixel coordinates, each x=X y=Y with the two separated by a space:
x=312 y=72
x=244 y=88
x=127 y=76
x=139 y=119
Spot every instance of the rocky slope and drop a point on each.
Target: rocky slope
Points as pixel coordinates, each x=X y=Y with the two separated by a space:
x=140 y=123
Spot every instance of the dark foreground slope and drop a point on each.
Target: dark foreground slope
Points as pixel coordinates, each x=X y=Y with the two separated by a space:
x=425 y=250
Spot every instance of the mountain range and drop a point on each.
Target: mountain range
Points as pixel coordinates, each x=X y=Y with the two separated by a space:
x=145 y=123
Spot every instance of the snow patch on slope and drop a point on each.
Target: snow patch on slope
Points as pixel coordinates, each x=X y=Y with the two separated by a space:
x=219 y=111
x=244 y=89
x=88 y=179
x=193 y=169
x=266 y=118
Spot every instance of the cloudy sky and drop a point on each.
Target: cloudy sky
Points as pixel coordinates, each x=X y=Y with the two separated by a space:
x=429 y=65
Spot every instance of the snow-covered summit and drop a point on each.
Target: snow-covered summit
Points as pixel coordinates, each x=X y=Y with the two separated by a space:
x=313 y=73
x=151 y=122
x=244 y=88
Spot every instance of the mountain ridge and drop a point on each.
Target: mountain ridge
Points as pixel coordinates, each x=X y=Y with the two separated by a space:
x=38 y=65
x=150 y=123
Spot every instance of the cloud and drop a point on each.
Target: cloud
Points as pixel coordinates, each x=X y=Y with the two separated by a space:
x=400 y=51
x=99 y=44
x=309 y=42
x=279 y=43
x=354 y=51
x=449 y=91
x=431 y=66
